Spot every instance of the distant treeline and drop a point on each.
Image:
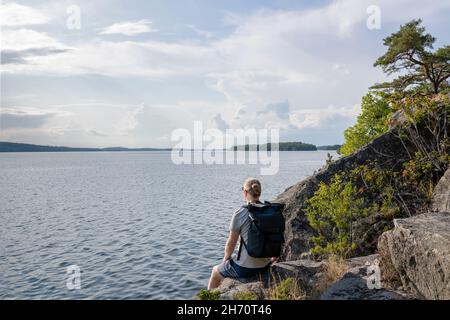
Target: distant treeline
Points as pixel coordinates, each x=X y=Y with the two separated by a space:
x=25 y=147
x=282 y=146
x=331 y=147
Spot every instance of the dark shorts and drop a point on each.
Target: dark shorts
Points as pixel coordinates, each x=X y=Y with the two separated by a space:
x=230 y=269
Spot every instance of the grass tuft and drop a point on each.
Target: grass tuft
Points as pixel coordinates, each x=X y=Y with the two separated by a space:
x=209 y=294
x=245 y=296
x=287 y=289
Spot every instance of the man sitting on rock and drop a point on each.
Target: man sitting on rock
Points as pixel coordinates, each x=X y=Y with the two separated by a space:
x=246 y=265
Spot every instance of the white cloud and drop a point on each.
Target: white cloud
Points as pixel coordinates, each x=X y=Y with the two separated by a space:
x=130 y=28
x=103 y=124
x=277 y=54
x=204 y=33
x=217 y=122
x=16 y=15
x=129 y=121
x=269 y=55
x=314 y=125
x=25 y=39
x=22 y=47
x=74 y=125
x=127 y=58
x=243 y=85
x=322 y=117
x=282 y=115
x=24 y=117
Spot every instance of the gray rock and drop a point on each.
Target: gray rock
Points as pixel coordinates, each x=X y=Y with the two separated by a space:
x=230 y=287
x=305 y=272
x=441 y=194
x=357 y=284
x=418 y=248
x=386 y=149
x=308 y=273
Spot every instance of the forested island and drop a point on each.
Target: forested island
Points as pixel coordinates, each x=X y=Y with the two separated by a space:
x=333 y=147
x=26 y=147
x=282 y=146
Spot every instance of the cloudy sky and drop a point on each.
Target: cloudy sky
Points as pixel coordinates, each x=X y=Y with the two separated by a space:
x=127 y=73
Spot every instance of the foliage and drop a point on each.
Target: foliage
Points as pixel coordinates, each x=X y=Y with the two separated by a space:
x=378 y=188
x=402 y=189
x=409 y=53
x=350 y=196
x=286 y=289
x=403 y=184
x=371 y=123
x=208 y=294
x=423 y=73
x=428 y=120
x=427 y=131
x=245 y=296
x=330 y=212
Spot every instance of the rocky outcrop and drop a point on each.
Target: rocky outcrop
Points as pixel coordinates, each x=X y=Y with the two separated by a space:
x=357 y=283
x=441 y=194
x=305 y=272
x=418 y=251
x=387 y=150
x=414 y=256
x=229 y=288
x=360 y=282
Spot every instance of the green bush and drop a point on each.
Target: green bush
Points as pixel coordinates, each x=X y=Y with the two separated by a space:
x=377 y=189
x=427 y=129
x=355 y=194
x=330 y=212
x=208 y=294
x=371 y=123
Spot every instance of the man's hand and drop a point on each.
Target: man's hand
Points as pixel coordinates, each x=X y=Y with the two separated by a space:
x=273 y=260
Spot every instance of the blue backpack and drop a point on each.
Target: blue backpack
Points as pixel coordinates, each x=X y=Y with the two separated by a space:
x=266 y=232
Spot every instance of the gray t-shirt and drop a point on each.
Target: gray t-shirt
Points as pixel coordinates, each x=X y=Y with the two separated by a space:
x=240 y=222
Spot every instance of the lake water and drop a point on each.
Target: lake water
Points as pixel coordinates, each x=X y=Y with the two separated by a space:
x=138 y=226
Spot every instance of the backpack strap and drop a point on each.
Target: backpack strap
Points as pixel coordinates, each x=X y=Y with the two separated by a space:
x=240 y=248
